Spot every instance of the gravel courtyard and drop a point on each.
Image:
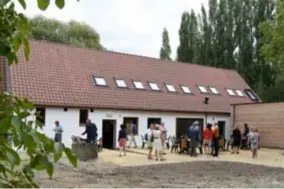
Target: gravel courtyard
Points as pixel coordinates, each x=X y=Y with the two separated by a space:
x=190 y=174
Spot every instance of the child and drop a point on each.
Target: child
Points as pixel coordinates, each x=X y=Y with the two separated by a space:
x=254 y=140
x=122 y=138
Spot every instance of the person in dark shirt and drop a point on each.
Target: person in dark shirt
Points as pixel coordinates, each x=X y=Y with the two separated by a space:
x=91 y=131
x=122 y=138
x=236 y=140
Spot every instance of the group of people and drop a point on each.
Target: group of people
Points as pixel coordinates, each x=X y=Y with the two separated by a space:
x=90 y=130
x=251 y=139
x=211 y=137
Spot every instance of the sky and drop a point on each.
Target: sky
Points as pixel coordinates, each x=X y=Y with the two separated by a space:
x=127 y=26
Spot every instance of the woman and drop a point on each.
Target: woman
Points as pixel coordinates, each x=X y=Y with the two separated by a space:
x=236 y=140
x=207 y=137
x=254 y=142
x=150 y=140
x=158 y=143
x=122 y=138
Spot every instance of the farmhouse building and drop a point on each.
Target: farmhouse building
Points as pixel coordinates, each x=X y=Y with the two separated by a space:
x=72 y=84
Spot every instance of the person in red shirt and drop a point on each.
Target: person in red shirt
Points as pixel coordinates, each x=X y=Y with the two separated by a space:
x=207 y=137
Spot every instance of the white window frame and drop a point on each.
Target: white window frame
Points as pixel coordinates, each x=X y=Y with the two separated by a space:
x=154 y=86
x=186 y=89
x=120 y=83
x=214 y=90
x=138 y=85
x=203 y=89
x=239 y=93
x=171 y=88
x=100 y=81
x=231 y=92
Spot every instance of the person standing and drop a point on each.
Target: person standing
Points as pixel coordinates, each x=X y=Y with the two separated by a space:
x=133 y=133
x=193 y=135
x=164 y=136
x=207 y=137
x=254 y=142
x=122 y=138
x=91 y=131
x=58 y=132
x=150 y=135
x=216 y=136
x=236 y=140
x=157 y=143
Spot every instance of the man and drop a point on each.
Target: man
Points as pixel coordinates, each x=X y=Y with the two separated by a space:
x=194 y=135
x=91 y=131
x=164 y=136
x=216 y=137
x=133 y=133
x=58 y=132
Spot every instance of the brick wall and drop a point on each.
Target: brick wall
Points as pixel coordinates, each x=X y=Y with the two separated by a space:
x=267 y=117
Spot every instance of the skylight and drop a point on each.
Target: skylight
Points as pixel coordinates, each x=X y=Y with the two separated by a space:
x=231 y=92
x=154 y=86
x=100 y=81
x=240 y=93
x=214 y=90
x=251 y=95
x=185 y=89
x=171 y=88
x=203 y=89
x=138 y=85
x=120 y=83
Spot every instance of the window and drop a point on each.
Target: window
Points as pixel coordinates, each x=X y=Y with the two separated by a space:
x=240 y=93
x=154 y=86
x=83 y=116
x=100 y=81
x=185 y=89
x=138 y=85
x=40 y=115
x=231 y=92
x=214 y=90
x=120 y=83
x=203 y=89
x=252 y=95
x=171 y=88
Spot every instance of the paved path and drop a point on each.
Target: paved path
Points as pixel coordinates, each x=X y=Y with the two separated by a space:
x=138 y=157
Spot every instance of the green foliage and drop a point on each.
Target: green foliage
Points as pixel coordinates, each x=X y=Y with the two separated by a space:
x=19 y=136
x=74 y=33
x=165 y=51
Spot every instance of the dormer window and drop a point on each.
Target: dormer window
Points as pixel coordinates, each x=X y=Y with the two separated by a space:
x=231 y=92
x=202 y=89
x=214 y=90
x=100 y=81
x=240 y=93
x=154 y=86
x=186 y=89
x=171 y=88
x=120 y=83
x=138 y=84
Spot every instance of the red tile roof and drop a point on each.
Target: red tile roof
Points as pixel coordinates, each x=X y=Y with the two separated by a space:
x=60 y=75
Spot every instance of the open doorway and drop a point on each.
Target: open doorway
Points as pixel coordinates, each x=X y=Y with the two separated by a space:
x=222 y=128
x=182 y=125
x=153 y=121
x=109 y=133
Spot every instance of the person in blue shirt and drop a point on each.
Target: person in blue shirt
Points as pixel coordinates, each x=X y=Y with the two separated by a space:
x=133 y=133
x=194 y=136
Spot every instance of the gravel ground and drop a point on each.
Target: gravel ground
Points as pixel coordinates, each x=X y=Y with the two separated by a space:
x=191 y=174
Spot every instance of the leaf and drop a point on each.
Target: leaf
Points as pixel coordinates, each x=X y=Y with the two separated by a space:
x=60 y=3
x=39 y=162
x=23 y=115
x=49 y=169
x=23 y=3
x=71 y=157
x=12 y=156
x=16 y=122
x=58 y=149
x=42 y=4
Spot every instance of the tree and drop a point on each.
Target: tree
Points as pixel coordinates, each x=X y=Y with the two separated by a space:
x=40 y=150
x=75 y=33
x=165 y=52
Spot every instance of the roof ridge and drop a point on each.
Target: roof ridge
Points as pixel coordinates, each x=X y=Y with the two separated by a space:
x=135 y=55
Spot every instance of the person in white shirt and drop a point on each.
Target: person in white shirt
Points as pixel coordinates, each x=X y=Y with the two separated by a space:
x=158 y=143
x=58 y=132
x=150 y=140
